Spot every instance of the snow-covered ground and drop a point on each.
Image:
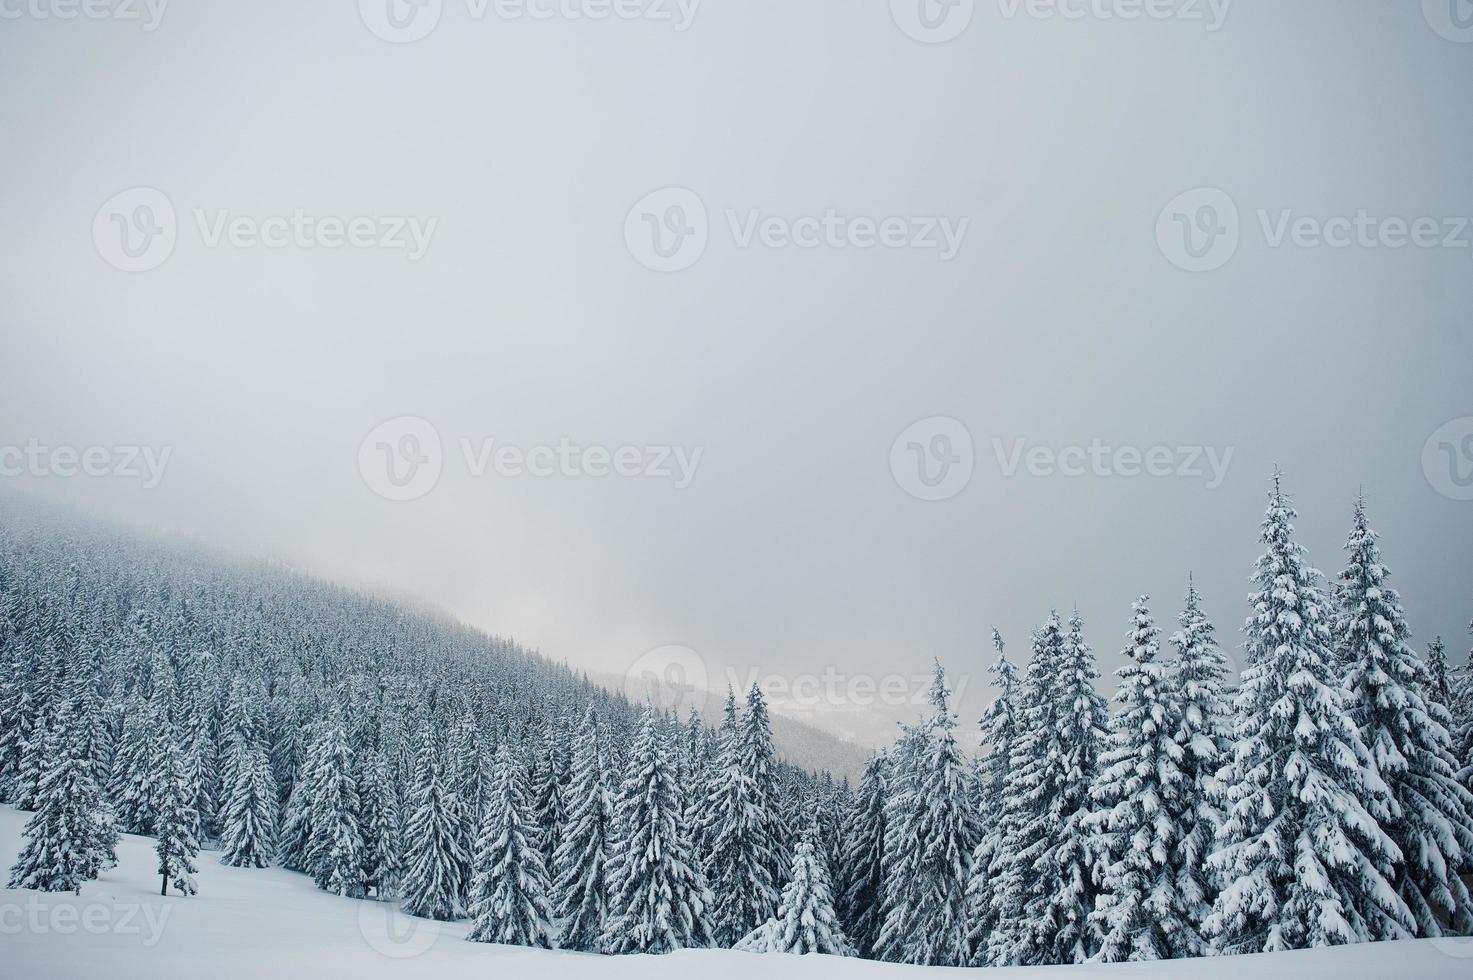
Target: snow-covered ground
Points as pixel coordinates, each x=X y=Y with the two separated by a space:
x=275 y=924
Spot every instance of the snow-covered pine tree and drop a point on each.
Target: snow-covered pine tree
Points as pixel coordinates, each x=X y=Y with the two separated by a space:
x=67 y=840
x=379 y=824
x=999 y=726
x=509 y=893
x=1303 y=860
x=1059 y=916
x=549 y=807
x=659 y=899
x=297 y=833
x=1140 y=796
x=335 y=853
x=136 y=785
x=581 y=862
x=249 y=838
x=1198 y=684
x=1439 y=684
x=1028 y=820
x=743 y=832
x=926 y=878
x=806 y=921
x=864 y=858
x=466 y=780
x=176 y=820
x=1430 y=816
x=433 y=859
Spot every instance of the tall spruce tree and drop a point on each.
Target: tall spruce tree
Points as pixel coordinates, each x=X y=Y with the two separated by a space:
x=176 y=819
x=509 y=900
x=250 y=808
x=930 y=846
x=999 y=734
x=434 y=860
x=335 y=852
x=1302 y=856
x=581 y=863
x=864 y=858
x=379 y=824
x=805 y=921
x=1140 y=796
x=659 y=900
x=1429 y=816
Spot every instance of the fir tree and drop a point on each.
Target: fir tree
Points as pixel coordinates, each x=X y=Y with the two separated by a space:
x=250 y=810
x=999 y=736
x=380 y=826
x=1439 y=684
x=582 y=857
x=335 y=854
x=1303 y=859
x=805 y=920
x=509 y=894
x=864 y=858
x=1428 y=813
x=433 y=865
x=1140 y=796
x=176 y=819
x=659 y=899
x=935 y=830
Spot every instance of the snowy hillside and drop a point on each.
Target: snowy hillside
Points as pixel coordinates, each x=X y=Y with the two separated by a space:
x=273 y=923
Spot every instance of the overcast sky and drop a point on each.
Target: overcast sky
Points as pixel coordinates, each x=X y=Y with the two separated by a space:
x=774 y=240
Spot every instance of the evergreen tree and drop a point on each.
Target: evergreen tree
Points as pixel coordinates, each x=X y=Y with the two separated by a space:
x=1439 y=684
x=250 y=810
x=864 y=858
x=67 y=840
x=335 y=853
x=1303 y=859
x=509 y=893
x=582 y=858
x=432 y=836
x=1199 y=686
x=999 y=736
x=380 y=826
x=1429 y=815
x=805 y=920
x=1140 y=797
x=549 y=804
x=176 y=820
x=659 y=899
x=933 y=834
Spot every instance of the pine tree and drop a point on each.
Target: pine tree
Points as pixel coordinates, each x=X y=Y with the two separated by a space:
x=864 y=858
x=805 y=920
x=659 y=899
x=1429 y=815
x=1140 y=796
x=250 y=810
x=1439 y=684
x=67 y=840
x=379 y=825
x=1198 y=685
x=176 y=819
x=999 y=736
x=932 y=835
x=432 y=837
x=744 y=830
x=549 y=805
x=582 y=858
x=509 y=894
x=1070 y=866
x=1303 y=859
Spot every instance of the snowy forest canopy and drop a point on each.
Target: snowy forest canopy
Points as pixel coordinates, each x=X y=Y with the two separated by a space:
x=1322 y=798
